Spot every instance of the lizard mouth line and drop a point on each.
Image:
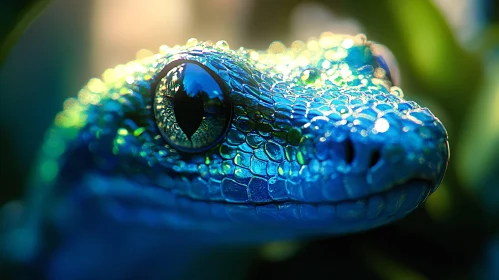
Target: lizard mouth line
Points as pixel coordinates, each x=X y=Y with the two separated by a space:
x=135 y=200
x=162 y=197
x=426 y=183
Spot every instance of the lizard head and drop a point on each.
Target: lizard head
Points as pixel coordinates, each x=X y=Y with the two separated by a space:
x=310 y=139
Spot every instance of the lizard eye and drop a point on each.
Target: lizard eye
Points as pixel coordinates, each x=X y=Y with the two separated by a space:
x=385 y=59
x=191 y=107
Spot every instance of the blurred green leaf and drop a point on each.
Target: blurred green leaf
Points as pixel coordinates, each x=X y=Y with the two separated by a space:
x=15 y=18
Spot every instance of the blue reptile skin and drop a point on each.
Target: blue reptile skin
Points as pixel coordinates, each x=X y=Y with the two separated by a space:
x=314 y=140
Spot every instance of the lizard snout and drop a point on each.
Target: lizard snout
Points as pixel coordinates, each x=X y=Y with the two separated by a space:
x=359 y=157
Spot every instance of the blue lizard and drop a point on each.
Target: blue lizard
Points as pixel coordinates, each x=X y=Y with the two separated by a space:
x=201 y=146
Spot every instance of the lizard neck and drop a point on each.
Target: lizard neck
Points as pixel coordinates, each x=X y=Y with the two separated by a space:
x=81 y=240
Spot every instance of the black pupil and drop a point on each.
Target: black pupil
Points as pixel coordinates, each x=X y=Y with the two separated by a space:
x=188 y=111
x=196 y=87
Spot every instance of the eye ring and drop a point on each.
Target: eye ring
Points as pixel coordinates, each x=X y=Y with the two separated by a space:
x=191 y=104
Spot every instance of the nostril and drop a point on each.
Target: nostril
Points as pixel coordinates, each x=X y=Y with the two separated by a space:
x=375 y=156
x=349 y=151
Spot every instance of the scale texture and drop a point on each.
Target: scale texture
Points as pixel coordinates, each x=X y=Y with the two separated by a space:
x=310 y=140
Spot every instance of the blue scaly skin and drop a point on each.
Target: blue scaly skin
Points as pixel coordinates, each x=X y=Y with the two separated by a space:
x=201 y=146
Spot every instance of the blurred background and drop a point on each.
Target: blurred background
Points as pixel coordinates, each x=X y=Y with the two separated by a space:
x=448 y=54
